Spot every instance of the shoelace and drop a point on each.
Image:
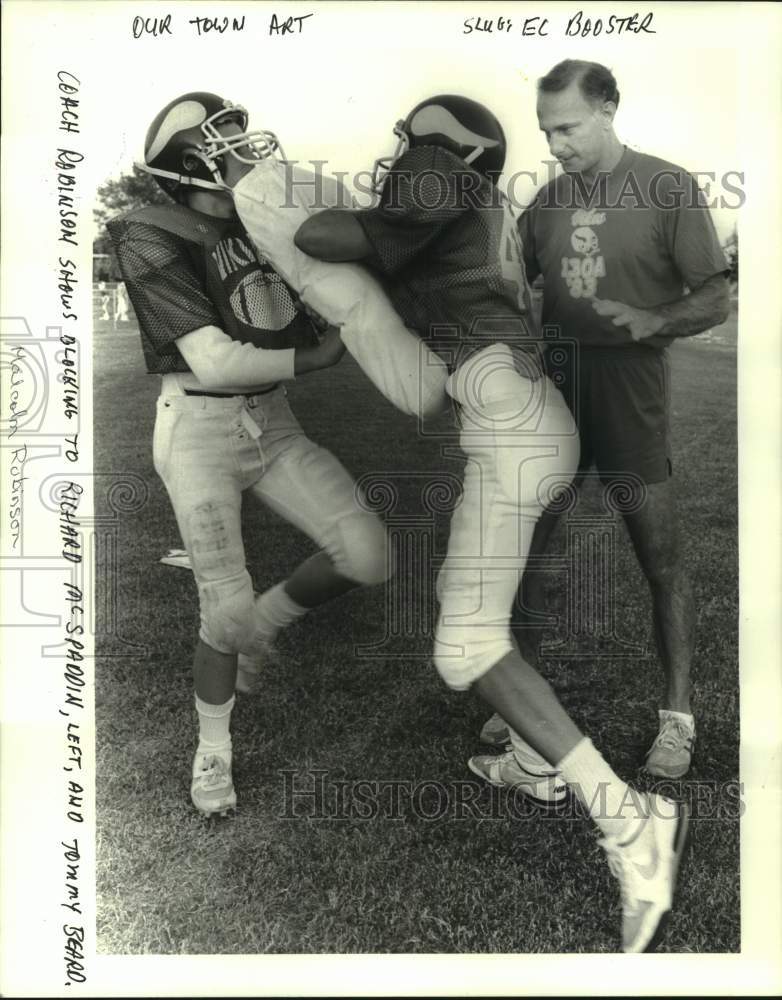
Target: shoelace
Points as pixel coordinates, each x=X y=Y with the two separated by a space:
x=673 y=735
x=213 y=774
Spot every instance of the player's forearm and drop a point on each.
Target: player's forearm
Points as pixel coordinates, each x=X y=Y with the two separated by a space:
x=333 y=235
x=703 y=308
x=220 y=363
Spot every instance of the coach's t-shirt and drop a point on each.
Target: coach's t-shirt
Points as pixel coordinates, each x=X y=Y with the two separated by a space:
x=447 y=248
x=640 y=235
x=185 y=270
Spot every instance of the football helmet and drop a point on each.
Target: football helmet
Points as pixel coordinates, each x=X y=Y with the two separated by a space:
x=459 y=124
x=184 y=145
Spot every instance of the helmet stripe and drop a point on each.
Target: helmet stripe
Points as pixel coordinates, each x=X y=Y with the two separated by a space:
x=434 y=118
x=181 y=116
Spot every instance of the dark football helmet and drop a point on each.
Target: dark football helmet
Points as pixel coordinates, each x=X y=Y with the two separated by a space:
x=185 y=147
x=459 y=124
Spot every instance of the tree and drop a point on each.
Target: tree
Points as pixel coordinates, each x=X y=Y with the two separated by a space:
x=732 y=253
x=126 y=192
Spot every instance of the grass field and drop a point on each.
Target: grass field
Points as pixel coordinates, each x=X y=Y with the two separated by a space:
x=429 y=859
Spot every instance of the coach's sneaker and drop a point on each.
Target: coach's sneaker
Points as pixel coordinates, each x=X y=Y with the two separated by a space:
x=646 y=868
x=212 y=788
x=495 y=732
x=671 y=753
x=545 y=787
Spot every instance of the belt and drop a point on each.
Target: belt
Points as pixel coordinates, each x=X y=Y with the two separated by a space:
x=231 y=395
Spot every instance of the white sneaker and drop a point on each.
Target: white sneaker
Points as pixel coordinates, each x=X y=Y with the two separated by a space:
x=544 y=787
x=212 y=787
x=647 y=868
x=495 y=731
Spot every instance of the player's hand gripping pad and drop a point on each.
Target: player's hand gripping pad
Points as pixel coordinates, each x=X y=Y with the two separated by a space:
x=272 y=201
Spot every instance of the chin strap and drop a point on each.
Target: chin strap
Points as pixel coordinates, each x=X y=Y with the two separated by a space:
x=475 y=154
x=184 y=179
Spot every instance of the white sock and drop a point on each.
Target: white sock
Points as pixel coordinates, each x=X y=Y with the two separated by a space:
x=275 y=610
x=668 y=713
x=618 y=810
x=527 y=757
x=214 y=727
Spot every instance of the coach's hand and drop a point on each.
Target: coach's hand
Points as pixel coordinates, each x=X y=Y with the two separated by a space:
x=328 y=352
x=642 y=323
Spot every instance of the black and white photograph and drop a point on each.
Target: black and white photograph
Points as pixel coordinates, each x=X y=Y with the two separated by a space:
x=391 y=509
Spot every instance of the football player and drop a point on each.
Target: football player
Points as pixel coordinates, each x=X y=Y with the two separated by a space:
x=445 y=241
x=221 y=328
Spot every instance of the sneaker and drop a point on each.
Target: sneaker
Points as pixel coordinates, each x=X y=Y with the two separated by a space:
x=495 y=732
x=212 y=789
x=545 y=788
x=647 y=869
x=671 y=753
x=250 y=669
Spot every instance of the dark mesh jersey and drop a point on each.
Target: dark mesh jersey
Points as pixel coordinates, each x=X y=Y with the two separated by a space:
x=447 y=244
x=185 y=270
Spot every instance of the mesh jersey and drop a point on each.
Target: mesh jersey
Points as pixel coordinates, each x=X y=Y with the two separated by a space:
x=185 y=270
x=447 y=243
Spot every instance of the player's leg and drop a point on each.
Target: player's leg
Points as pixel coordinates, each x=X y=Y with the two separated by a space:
x=529 y=616
x=211 y=531
x=306 y=485
x=193 y=456
x=489 y=543
x=635 y=452
x=309 y=487
x=573 y=378
x=644 y=835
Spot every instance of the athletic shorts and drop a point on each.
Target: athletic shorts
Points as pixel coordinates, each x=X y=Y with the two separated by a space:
x=620 y=400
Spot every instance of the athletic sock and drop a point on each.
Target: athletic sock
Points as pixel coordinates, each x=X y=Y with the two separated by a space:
x=275 y=610
x=214 y=727
x=526 y=756
x=618 y=810
x=685 y=717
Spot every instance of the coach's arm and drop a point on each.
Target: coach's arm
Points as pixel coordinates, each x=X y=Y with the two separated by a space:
x=334 y=234
x=705 y=306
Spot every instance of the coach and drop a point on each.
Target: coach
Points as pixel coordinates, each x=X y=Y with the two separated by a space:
x=630 y=261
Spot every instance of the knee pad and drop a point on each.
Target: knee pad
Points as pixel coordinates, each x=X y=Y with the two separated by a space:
x=361 y=552
x=464 y=653
x=227 y=622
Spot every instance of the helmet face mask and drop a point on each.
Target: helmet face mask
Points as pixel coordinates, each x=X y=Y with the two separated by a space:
x=260 y=142
x=185 y=146
x=385 y=163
